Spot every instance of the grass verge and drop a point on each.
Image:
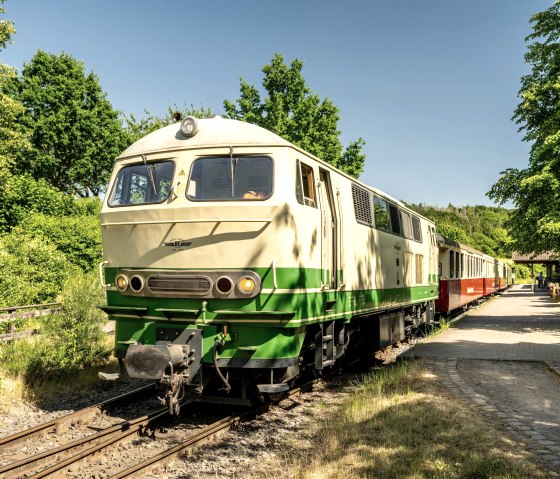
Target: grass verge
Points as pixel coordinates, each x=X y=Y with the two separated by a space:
x=397 y=424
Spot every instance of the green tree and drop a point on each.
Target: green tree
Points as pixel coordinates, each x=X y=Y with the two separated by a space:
x=137 y=129
x=75 y=132
x=295 y=113
x=13 y=140
x=7 y=29
x=535 y=190
x=481 y=227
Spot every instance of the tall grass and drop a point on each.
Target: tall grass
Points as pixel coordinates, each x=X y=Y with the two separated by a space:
x=396 y=424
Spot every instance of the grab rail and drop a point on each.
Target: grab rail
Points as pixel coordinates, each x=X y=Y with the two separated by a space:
x=210 y=220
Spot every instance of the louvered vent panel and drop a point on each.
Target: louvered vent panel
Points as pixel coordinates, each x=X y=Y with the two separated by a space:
x=395 y=219
x=362 y=205
x=179 y=284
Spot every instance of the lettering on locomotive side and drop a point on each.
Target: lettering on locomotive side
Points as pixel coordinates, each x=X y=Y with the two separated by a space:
x=177 y=244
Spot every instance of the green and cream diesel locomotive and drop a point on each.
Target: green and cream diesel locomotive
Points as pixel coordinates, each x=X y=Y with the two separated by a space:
x=234 y=260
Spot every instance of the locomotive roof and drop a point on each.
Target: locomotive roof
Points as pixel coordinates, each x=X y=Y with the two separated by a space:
x=218 y=131
x=211 y=132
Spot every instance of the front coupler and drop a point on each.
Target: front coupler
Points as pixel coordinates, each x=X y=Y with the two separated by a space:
x=174 y=364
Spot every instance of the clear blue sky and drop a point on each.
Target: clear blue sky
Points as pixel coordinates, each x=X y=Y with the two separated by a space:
x=430 y=85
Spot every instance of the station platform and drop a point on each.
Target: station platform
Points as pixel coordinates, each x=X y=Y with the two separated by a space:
x=519 y=325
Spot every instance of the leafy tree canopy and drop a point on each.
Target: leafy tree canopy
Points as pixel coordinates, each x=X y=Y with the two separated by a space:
x=7 y=29
x=13 y=140
x=137 y=129
x=480 y=227
x=535 y=190
x=295 y=113
x=75 y=133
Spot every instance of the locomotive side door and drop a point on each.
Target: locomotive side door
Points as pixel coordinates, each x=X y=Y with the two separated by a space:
x=329 y=232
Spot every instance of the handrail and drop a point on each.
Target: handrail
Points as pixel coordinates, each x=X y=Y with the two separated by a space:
x=101 y=279
x=274 y=273
x=341 y=238
x=210 y=220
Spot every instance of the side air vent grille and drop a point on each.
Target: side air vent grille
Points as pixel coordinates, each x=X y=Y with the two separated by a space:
x=191 y=285
x=362 y=205
x=395 y=219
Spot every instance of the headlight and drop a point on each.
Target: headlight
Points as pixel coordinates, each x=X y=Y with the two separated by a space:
x=189 y=126
x=246 y=285
x=121 y=282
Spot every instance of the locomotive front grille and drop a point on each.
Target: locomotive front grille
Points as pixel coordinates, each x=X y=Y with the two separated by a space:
x=198 y=285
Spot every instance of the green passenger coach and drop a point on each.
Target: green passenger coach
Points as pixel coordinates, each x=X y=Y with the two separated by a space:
x=234 y=261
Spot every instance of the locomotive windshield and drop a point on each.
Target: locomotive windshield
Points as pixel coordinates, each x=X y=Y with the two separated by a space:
x=225 y=178
x=142 y=184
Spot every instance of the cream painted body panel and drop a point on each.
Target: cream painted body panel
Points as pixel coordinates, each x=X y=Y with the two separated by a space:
x=222 y=234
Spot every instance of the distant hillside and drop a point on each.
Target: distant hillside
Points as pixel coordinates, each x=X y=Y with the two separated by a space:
x=482 y=227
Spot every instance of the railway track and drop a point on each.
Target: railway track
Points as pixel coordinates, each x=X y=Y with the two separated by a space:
x=56 y=460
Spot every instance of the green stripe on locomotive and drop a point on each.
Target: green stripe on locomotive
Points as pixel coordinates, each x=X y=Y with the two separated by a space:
x=270 y=326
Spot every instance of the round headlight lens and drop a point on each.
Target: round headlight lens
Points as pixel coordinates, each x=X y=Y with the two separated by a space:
x=189 y=126
x=121 y=282
x=246 y=285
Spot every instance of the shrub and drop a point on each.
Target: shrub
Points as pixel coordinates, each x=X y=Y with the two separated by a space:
x=31 y=270
x=78 y=237
x=70 y=340
x=77 y=331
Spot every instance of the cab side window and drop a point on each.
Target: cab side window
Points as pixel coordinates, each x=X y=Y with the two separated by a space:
x=305 y=185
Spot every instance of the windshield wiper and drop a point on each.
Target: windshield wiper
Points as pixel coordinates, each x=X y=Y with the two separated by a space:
x=151 y=173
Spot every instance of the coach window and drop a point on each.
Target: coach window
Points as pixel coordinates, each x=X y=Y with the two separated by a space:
x=406 y=225
x=451 y=264
x=416 y=230
x=246 y=178
x=305 y=185
x=381 y=214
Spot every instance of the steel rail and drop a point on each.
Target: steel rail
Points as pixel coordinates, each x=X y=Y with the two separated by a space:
x=213 y=429
x=202 y=436
x=68 y=418
x=118 y=431
x=135 y=426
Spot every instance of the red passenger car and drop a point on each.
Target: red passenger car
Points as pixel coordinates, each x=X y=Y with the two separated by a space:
x=466 y=274
x=461 y=279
